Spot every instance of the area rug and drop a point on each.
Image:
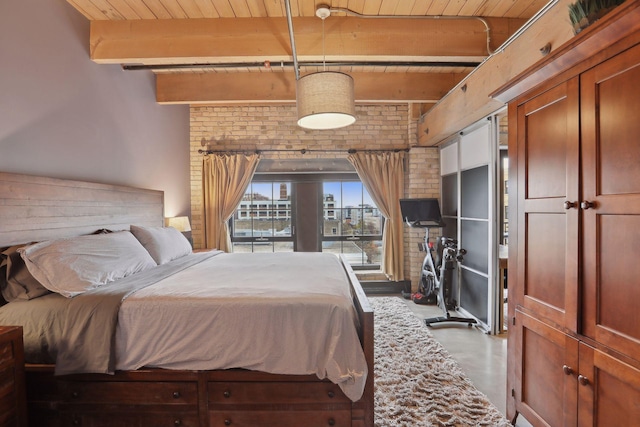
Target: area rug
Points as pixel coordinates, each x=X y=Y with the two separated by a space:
x=417 y=382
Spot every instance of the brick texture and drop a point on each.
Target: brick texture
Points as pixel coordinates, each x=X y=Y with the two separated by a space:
x=274 y=128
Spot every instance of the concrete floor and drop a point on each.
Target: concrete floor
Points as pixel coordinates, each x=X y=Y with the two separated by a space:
x=481 y=356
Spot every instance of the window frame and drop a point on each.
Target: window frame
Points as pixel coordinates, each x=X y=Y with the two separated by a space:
x=276 y=178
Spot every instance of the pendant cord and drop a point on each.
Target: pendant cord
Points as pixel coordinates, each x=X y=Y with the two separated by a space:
x=324 y=62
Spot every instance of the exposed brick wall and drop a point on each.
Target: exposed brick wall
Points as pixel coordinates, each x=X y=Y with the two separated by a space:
x=274 y=127
x=424 y=181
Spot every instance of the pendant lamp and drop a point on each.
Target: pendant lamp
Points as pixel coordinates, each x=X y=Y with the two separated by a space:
x=325 y=99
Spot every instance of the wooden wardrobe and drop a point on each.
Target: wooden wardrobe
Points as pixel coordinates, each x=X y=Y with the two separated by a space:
x=574 y=241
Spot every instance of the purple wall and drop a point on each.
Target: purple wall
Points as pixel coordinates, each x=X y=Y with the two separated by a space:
x=63 y=116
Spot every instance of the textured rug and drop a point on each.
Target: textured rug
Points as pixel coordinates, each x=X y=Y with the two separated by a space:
x=417 y=382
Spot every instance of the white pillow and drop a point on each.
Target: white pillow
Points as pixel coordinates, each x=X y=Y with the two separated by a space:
x=163 y=243
x=75 y=265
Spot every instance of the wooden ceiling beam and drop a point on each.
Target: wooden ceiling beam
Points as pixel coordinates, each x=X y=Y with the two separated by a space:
x=179 y=41
x=462 y=108
x=271 y=87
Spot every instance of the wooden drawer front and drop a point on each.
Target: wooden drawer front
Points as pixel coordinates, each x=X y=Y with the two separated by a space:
x=279 y=418
x=108 y=392
x=7 y=381
x=129 y=419
x=8 y=397
x=8 y=412
x=234 y=393
x=6 y=354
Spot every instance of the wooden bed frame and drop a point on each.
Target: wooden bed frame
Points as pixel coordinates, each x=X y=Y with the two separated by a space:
x=35 y=208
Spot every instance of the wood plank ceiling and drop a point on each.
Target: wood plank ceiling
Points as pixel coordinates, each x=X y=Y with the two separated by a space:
x=239 y=51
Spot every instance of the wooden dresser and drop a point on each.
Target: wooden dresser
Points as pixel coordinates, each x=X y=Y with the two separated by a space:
x=574 y=242
x=12 y=393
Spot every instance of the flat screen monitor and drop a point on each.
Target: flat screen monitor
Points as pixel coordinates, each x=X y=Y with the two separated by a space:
x=421 y=212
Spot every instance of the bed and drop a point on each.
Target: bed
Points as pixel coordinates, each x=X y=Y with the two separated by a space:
x=283 y=357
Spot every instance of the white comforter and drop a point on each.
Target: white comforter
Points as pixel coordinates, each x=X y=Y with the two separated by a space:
x=284 y=313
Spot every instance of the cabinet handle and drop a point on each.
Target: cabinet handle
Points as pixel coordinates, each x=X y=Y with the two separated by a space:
x=75 y=394
x=226 y=394
x=227 y=422
x=332 y=422
x=177 y=423
x=568 y=205
x=567 y=370
x=587 y=205
x=331 y=394
x=176 y=395
x=77 y=422
x=583 y=380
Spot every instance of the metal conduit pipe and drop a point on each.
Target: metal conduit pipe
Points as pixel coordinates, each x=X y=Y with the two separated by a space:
x=287 y=4
x=435 y=17
x=283 y=64
x=504 y=45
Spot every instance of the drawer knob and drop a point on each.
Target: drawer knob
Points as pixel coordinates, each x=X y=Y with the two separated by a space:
x=75 y=394
x=567 y=370
x=331 y=394
x=176 y=395
x=587 y=205
x=332 y=422
x=226 y=394
x=583 y=380
x=568 y=205
x=77 y=422
x=177 y=423
x=227 y=422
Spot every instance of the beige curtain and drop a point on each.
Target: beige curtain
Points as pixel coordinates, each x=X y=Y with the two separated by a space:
x=383 y=176
x=225 y=178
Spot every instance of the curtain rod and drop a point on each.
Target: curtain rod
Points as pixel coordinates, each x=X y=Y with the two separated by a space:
x=305 y=151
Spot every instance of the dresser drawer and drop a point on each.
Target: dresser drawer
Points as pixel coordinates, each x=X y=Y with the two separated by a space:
x=234 y=393
x=339 y=418
x=8 y=412
x=129 y=419
x=129 y=392
x=7 y=354
x=12 y=396
x=7 y=383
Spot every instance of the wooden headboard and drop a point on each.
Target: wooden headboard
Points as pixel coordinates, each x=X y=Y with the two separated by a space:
x=34 y=208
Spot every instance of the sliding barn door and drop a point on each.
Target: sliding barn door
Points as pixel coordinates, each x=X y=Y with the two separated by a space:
x=469 y=168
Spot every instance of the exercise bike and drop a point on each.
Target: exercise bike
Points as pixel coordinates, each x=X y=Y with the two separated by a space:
x=435 y=280
x=435 y=283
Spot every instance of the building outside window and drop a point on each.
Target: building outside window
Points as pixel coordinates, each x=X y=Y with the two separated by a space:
x=349 y=223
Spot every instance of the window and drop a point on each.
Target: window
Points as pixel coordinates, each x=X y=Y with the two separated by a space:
x=346 y=222
x=352 y=223
x=262 y=222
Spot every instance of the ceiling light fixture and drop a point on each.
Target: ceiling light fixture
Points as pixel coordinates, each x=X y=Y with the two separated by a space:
x=325 y=99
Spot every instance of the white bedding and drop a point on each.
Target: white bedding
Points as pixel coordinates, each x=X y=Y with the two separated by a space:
x=284 y=313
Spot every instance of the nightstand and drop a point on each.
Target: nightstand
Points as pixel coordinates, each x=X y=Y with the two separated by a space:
x=13 y=407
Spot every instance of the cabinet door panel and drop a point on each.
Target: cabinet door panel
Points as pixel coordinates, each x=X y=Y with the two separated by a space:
x=611 y=182
x=617 y=96
x=547 y=177
x=547 y=395
x=612 y=394
x=546 y=150
x=546 y=253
